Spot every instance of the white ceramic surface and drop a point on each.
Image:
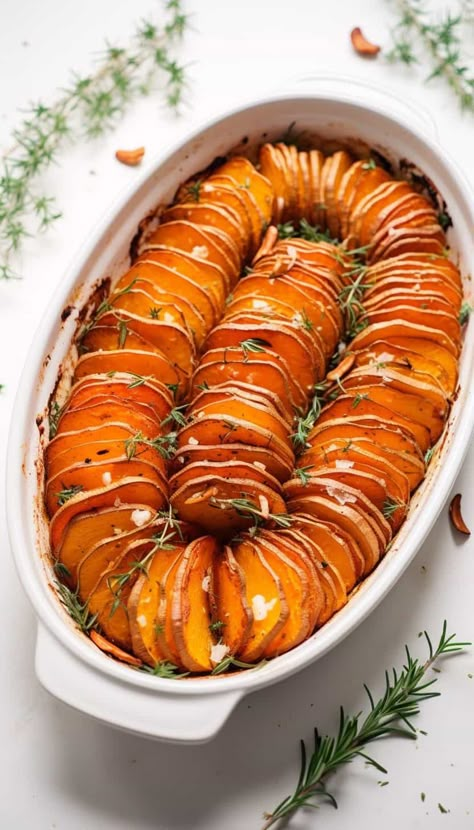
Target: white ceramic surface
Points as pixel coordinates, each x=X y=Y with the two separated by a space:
x=67 y=664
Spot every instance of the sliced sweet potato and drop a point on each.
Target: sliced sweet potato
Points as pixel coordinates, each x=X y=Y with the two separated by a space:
x=235 y=408
x=335 y=550
x=389 y=355
x=93 y=476
x=227 y=470
x=156 y=276
x=243 y=391
x=203 y=272
x=349 y=517
x=204 y=243
x=394 y=329
x=265 y=596
x=318 y=208
x=448 y=324
x=126 y=491
x=69 y=441
x=136 y=362
x=110 y=596
x=87 y=529
x=230 y=606
x=333 y=171
x=295 y=549
x=337 y=489
x=296 y=587
x=259 y=457
x=222 y=428
x=190 y=612
x=152 y=392
x=272 y=168
x=111 y=411
x=348 y=406
x=207 y=213
x=219 y=505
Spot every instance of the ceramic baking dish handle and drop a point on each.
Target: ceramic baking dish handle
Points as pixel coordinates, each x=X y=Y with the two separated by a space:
x=366 y=92
x=153 y=714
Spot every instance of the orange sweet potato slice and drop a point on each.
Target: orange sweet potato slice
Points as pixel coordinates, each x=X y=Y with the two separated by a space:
x=348 y=406
x=333 y=171
x=88 y=529
x=112 y=650
x=126 y=491
x=110 y=412
x=152 y=392
x=245 y=174
x=68 y=441
x=295 y=549
x=272 y=167
x=237 y=408
x=172 y=339
x=317 y=214
x=349 y=517
x=204 y=243
x=190 y=611
x=228 y=469
x=388 y=355
x=335 y=549
x=330 y=579
x=295 y=584
x=448 y=324
x=156 y=277
x=205 y=212
x=214 y=503
x=223 y=428
x=93 y=476
x=243 y=391
x=110 y=596
x=393 y=330
x=264 y=594
x=230 y=608
x=136 y=362
x=261 y=458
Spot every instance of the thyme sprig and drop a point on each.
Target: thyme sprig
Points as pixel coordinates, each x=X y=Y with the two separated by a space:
x=77 y=610
x=441 y=40
x=68 y=493
x=89 y=105
x=232 y=662
x=392 y=714
x=164 y=669
x=350 y=298
x=305 y=423
x=312 y=233
x=247 y=508
x=165 y=445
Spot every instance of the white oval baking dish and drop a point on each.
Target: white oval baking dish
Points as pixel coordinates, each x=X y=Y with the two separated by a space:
x=67 y=663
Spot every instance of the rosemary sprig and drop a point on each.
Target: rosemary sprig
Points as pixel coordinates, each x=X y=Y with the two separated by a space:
x=176 y=416
x=391 y=715
x=165 y=445
x=441 y=40
x=247 y=508
x=164 y=669
x=390 y=506
x=230 y=660
x=68 y=492
x=350 y=298
x=53 y=418
x=305 y=423
x=78 y=611
x=254 y=345
x=91 y=104
x=303 y=474
x=465 y=312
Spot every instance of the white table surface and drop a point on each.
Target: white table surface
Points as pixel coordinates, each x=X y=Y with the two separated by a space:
x=59 y=769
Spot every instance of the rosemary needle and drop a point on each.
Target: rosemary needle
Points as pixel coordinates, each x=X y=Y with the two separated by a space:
x=390 y=715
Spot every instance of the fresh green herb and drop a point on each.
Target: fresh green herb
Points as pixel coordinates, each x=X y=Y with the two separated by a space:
x=347 y=447
x=444 y=220
x=350 y=299
x=305 y=424
x=429 y=455
x=370 y=164
x=230 y=661
x=442 y=809
x=253 y=345
x=105 y=307
x=194 y=190
x=304 y=321
x=359 y=398
x=53 y=418
x=176 y=416
x=123 y=333
x=173 y=387
x=68 y=493
x=422 y=796
x=391 y=715
x=60 y=569
x=465 y=312
x=77 y=610
x=203 y=386
x=440 y=40
x=390 y=506
x=164 y=669
x=154 y=312
x=159 y=629
x=138 y=380
x=248 y=509
x=303 y=474
x=313 y=233
x=165 y=445
x=217 y=626
x=286 y=231
x=90 y=104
